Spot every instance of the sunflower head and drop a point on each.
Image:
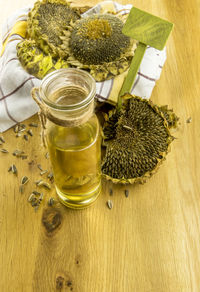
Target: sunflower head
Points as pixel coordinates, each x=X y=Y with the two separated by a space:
x=137 y=140
x=98 y=39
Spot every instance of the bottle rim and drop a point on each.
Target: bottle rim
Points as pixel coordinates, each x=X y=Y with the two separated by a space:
x=64 y=72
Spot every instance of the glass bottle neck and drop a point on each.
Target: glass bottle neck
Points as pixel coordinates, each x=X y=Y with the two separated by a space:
x=68 y=96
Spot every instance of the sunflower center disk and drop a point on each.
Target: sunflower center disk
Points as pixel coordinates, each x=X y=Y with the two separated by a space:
x=96 y=29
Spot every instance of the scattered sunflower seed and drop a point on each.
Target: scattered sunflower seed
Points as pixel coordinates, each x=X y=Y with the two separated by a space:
x=24 y=157
x=110 y=192
x=50 y=177
x=36 y=193
x=2 y=139
x=10 y=168
x=19 y=128
x=41 y=197
x=18 y=135
x=21 y=189
x=30 y=132
x=31 y=197
x=38 y=181
x=26 y=137
x=16 y=129
x=18 y=153
x=34 y=125
x=47 y=155
x=4 y=150
x=44 y=184
x=43 y=172
x=34 y=202
x=14 y=169
x=51 y=201
x=126 y=193
x=24 y=180
x=189 y=120
x=40 y=167
x=110 y=204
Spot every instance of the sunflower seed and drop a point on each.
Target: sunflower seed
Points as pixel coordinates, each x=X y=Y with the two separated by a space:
x=38 y=181
x=21 y=189
x=50 y=177
x=41 y=197
x=34 y=125
x=26 y=137
x=4 y=150
x=2 y=139
x=31 y=197
x=36 y=193
x=40 y=167
x=51 y=201
x=110 y=204
x=110 y=192
x=18 y=135
x=44 y=184
x=30 y=132
x=126 y=193
x=189 y=120
x=18 y=153
x=24 y=157
x=24 y=180
x=43 y=172
x=14 y=169
x=47 y=155
x=34 y=202
x=16 y=129
x=10 y=168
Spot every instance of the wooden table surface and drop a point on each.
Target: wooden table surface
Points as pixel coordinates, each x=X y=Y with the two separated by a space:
x=148 y=242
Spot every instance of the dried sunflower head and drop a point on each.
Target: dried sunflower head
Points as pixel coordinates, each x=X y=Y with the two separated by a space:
x=96 y=43
x=137 y=139
x=46 y=22
x=35 y=62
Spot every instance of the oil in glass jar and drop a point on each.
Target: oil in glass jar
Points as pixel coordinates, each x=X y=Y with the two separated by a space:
x=73 y=136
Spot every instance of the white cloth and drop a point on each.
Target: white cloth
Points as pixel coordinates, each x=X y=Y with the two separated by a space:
x=16 y=103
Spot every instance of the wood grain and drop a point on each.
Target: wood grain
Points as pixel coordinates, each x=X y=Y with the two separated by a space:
x=148 y=242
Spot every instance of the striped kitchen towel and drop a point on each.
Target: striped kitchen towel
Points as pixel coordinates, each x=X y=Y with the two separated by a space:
x=16 y=103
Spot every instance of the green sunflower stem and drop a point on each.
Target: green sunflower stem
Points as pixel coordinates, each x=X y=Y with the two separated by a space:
x=132 y=72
